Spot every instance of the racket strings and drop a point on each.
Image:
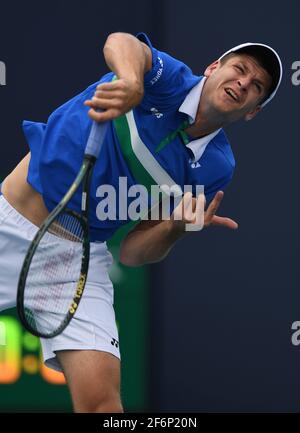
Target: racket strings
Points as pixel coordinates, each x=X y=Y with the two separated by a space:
x=67 y=228
x=53 y=274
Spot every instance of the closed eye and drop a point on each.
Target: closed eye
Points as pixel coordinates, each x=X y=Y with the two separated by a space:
x=258 y=87
x=239 y=68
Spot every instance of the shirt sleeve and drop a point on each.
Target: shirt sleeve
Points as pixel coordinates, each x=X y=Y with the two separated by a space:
x=215 y=168
x=219 y=185
x=215 y=178
x=168 y=81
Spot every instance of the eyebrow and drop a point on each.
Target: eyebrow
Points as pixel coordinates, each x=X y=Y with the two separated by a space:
x=247 y=70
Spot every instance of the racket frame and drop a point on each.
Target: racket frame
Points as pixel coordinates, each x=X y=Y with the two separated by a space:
x=83 y=177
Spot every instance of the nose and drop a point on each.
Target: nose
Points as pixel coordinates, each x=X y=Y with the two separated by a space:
x=244 y=83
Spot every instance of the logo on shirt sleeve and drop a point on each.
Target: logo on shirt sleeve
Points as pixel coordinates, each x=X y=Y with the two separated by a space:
x=159 y=72
x=156 y=113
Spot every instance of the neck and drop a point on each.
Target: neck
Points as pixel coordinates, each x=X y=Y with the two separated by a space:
x=203 y=125
x=207 y=119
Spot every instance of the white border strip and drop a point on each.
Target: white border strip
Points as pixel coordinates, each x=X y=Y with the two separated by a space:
x=146 y=158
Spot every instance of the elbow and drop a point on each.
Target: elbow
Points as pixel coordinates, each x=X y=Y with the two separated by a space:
x=136 y=260
x=111 y=39
x=116 y=37
x=128 y=259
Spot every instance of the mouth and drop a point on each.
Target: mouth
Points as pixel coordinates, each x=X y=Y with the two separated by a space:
x=232 y=94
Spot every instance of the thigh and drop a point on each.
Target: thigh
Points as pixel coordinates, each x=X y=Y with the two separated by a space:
x=93 y=378
x=14 y=243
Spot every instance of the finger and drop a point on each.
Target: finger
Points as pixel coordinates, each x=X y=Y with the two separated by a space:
x=214 y=205
x=199 y=211
x=107 y=103
x=103 y=103
x=89 y=103
x=111 y=86
x=106 y=94
x=181 y=209
x=178 y=210
x=188 y=213
x=103 y=116
x=225 y=222
x=186 y=200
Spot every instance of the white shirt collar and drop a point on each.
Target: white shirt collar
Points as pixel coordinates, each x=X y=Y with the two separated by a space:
x=190 y=107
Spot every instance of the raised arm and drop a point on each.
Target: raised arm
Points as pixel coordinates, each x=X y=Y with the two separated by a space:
x=129 y=59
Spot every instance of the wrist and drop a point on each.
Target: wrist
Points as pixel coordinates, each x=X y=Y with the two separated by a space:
x=175 y=228
x=133 y=87
x=136 y=82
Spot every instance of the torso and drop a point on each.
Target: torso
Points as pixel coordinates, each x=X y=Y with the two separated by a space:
x=19 y=193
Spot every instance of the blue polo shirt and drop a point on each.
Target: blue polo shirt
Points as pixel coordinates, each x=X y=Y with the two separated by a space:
x=171 y=98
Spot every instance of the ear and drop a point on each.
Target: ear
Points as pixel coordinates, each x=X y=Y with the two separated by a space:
x=211 y=68
x=252 y=113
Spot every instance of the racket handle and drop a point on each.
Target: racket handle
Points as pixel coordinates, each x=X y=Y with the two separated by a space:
x=96 y=138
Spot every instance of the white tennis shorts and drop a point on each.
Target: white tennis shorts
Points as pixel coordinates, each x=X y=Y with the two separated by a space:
x=93 y=326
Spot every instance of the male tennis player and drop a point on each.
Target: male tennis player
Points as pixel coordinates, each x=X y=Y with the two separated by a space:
x=165 y=126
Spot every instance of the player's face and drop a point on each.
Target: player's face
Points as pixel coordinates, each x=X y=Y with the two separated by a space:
x=237 y=87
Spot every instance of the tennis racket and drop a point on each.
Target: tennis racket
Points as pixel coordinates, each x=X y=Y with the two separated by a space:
x=55 y=268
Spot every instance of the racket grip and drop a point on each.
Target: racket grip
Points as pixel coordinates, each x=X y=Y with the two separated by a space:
x=96 y=138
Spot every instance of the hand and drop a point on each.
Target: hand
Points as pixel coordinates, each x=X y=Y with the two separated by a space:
x=190 y=211
x=210 y=216
x=115 y=98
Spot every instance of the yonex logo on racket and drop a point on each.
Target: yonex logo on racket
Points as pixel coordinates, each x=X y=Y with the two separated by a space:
x=73 y=308
x=80 y=286
x=78 y=294
x=2 y=74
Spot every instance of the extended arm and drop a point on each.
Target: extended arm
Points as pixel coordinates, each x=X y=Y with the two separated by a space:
x=151 y=241
x=129 y=59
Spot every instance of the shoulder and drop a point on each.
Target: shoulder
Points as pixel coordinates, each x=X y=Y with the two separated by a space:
x=224 y=150
x=164 y=66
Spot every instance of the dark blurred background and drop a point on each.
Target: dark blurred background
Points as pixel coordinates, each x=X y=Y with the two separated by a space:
x=209 y=328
